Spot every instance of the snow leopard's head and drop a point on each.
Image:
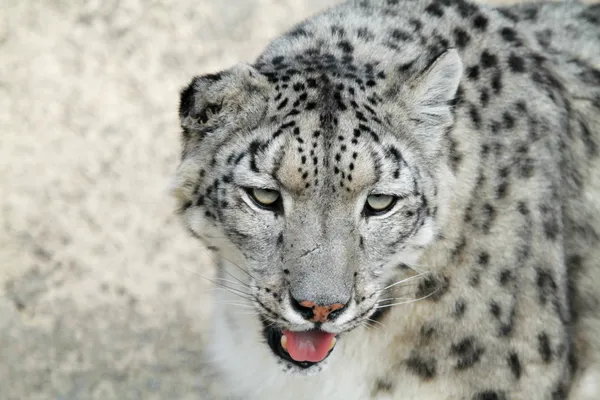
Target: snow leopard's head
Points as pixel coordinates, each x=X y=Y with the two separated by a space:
x=316 y=175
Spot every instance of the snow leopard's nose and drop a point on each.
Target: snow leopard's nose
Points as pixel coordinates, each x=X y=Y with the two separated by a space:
x=314 y=312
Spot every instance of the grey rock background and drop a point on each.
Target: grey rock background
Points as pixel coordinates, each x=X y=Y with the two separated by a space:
x=100 y=296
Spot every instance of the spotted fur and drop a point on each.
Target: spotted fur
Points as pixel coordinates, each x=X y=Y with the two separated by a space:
x=485 y=124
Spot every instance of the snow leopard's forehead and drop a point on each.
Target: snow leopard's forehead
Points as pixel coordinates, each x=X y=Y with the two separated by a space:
x=326 y=107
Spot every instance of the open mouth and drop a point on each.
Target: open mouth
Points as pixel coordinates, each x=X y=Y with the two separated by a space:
x=303 y=349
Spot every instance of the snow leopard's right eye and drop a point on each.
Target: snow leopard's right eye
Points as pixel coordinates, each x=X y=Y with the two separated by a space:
x=265 y=198
x=378 y=204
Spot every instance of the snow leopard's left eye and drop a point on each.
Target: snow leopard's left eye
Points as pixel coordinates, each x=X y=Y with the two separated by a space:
x=265 y=198
x=378 y=204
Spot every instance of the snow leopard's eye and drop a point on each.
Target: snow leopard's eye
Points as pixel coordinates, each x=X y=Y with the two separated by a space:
x=265 y=198
x=378 y=204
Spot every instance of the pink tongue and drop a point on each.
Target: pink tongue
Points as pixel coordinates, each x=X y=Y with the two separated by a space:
x=310 y=346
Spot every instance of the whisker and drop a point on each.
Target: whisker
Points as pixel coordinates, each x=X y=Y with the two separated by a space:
x=234 y=264
x=226 y=259
x=230 y=289
x=376 y=322
x=271 y=324
x=417 y=268
x=233 y=303
x=396 y=298
x=388 y=299
x=245 y=313
x=402 y=281
x=234 y=292
x=234 y=277
x=408 y=302
x=401 y=287
x=370 y=327
x=232 y=282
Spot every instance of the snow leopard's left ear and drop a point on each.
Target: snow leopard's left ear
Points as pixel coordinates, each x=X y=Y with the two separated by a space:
x=425 y=89
x=435 y=88
x=418 y=101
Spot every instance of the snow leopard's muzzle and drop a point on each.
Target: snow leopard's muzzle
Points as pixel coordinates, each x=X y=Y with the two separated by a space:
x=306 y=348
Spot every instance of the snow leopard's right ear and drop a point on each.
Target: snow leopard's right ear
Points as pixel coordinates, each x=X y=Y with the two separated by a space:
x=230 y=99
x=212 y=107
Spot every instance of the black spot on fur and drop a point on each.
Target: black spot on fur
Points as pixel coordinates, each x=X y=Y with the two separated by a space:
x=465 y=8
x=427 y=332
x=416 y=24
x=515 y=364
x=365 y=34
x=550 y=222
x=468 y=351
x=508 y=14
x=455 y=156
x=516 y=63
x=497 y=82
x=490 y=395
x=435 y=10
x=283 y=103
x=495 y=309
x=560 y=393
x=591 y=14
x=475 y=280
x=546 y=285
x=523 y=209
x=480 y=22
x=505 y=277
x=484 y=97
x=544 y=347
x=507 y=326
x=475 y=117
x=433 y=288
x=398 y=34
x=459 y=308
x=461 y=37
x=382 y=386
x=425 y=367
x=488 y=59
x=484 y=258
x=529 y=12
x=473 y=72
x=489 y=216
x=509 y=34
x=346 y=46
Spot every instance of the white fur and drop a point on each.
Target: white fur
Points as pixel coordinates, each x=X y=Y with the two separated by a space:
x=588 y=387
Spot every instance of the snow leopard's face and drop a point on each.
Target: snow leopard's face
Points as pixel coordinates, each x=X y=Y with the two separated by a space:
x=320 y=186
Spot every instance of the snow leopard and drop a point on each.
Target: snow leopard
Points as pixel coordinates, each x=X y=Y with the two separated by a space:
x=403 y=201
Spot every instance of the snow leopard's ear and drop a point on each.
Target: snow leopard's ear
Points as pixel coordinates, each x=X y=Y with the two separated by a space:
x=434 y=89
x=419 y=98
x=229 y=99
x=425 y=89
x=210 y=108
